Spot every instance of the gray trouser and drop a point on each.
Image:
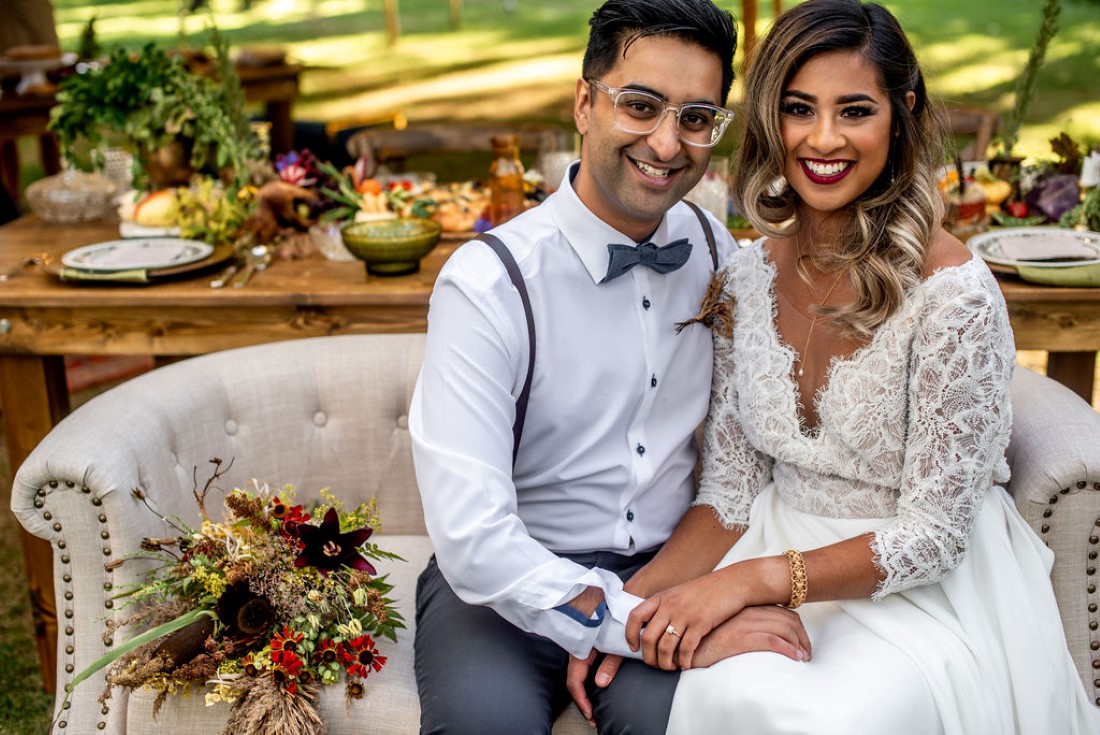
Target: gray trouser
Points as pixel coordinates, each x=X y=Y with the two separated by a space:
x=479 y=674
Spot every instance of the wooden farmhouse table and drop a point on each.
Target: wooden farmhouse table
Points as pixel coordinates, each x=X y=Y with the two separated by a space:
x=43 y=319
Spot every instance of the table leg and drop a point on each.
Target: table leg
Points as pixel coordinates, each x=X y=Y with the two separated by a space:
x=9 y=168
x=1075 y=370
x=34 y=398
x=51 y=153
x=282 y=126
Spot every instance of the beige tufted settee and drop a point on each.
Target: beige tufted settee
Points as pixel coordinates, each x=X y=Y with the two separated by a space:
x=332 y=412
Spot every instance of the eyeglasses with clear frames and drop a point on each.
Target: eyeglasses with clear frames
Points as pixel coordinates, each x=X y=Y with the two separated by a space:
x=640 y=113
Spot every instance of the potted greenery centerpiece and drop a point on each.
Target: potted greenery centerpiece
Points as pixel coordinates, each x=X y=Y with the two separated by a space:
x=175 y=122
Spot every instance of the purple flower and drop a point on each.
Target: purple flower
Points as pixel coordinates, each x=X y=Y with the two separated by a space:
x=325 y=548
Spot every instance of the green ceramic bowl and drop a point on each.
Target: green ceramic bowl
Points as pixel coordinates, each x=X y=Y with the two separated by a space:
x=391 y=247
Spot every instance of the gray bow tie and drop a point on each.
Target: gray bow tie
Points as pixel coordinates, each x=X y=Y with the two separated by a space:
x=664 y=259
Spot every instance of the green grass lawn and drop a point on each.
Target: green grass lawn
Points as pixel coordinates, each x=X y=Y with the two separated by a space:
x=521 y=65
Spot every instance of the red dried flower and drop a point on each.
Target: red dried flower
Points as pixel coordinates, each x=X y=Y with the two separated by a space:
x=328 y=651
x=360 y=656
x=287 y=640
x=285 y=669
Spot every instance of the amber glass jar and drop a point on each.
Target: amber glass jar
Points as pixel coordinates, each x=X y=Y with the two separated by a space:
x=505 y=180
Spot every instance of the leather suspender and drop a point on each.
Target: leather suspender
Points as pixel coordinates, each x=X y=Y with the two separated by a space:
x=707 y=232
x=516 y=277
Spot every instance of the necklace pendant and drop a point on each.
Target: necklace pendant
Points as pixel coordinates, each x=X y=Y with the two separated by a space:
x=801 y=372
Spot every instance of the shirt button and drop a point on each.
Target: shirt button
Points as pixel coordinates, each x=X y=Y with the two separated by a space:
x=630 y=515
x=640 y=450
x=645 y=302
x=653 y=382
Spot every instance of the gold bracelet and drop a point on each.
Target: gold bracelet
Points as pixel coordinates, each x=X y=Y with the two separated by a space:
x=799 y=586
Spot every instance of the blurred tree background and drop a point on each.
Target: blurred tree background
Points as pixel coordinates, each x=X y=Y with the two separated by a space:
x=518 y=59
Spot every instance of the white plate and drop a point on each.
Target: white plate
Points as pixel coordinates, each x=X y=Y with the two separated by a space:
x=1037 y=247
x=137 y=253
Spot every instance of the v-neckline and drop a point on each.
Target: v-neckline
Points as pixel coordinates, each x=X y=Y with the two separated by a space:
x=802 y=427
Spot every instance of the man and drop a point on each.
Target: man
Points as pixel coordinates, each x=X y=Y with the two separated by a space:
x=531 y=550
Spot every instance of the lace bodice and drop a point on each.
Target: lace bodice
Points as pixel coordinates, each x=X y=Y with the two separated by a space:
x=912 y=426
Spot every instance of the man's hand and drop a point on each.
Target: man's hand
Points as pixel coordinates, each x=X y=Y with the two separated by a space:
x=764 y=628
x=577 y=674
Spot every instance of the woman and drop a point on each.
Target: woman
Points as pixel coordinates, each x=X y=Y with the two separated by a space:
x=860 y=412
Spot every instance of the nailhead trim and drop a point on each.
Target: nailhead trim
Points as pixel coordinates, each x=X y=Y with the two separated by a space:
x=1090 y=572
x=67 y=578
x=1094 y=619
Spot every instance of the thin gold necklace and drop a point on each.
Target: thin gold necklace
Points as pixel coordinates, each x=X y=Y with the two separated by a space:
x=801 y=359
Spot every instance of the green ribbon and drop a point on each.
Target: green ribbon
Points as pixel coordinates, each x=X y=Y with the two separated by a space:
x=131 y=276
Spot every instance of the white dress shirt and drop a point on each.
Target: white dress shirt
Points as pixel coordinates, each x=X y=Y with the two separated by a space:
x=607 y=454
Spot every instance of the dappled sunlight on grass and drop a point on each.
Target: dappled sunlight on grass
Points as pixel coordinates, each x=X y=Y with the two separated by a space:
x=507 y=89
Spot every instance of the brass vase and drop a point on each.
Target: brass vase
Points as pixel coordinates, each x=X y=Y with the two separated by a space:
x=169 y=165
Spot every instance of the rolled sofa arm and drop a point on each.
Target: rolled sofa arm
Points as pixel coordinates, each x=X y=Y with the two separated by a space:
x=1054 y=455
x=315 y=413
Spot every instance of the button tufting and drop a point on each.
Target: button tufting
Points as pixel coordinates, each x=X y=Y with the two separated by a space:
x=231 y=427
x=320 y=418
x=402 y=421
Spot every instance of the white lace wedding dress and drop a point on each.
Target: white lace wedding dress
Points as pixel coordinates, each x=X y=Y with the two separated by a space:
x=963 y=635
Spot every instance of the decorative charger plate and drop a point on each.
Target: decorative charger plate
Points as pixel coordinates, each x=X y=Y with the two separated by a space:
x=137 y=254
x=1037 y=247
x=141 y=276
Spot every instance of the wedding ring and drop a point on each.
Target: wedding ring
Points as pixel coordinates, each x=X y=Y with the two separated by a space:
x=671 y=631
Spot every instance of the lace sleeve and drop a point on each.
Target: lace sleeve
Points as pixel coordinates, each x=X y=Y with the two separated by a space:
x=733 y=471
x=959 y=422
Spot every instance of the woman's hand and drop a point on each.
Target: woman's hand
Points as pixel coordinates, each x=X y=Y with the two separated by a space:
x=669 y=626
